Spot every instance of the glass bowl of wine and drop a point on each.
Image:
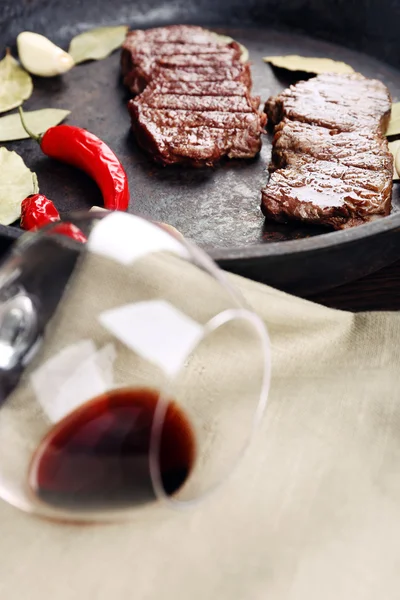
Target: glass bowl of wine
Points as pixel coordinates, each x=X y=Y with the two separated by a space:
x=132 y=371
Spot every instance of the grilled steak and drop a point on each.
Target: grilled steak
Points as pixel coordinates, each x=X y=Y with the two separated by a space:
x=363 y=149
x=187 y=48
x=344 y=102
x=327 y=193
x=194 y=105
x=330 y=161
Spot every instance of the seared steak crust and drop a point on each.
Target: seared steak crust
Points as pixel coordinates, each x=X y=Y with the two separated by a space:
x=361 y=148
x=330 y=160
x=194 y=104
x=343 y=102
x=327 y=193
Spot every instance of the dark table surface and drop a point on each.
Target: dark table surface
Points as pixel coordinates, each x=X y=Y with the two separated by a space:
x=378 y=291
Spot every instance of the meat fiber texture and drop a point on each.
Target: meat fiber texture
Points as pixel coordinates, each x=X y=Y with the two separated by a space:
x=330 y=161
x=194 y=104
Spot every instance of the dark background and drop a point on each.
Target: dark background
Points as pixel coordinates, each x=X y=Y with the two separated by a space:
x=368 y=25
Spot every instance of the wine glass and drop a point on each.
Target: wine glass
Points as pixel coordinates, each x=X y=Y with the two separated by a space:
x=131 y=370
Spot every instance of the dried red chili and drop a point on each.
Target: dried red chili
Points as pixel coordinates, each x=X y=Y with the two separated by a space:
x=71 y=231
x=37 y=211
x=82 y=149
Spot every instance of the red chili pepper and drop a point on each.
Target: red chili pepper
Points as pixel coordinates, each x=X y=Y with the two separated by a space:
x=37 y=211
x=82 y=149
x=70 y=230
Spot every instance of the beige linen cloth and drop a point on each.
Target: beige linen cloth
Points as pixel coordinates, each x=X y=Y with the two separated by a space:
x=312 y=512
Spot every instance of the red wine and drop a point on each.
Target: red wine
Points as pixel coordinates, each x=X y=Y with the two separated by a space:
x=98 y=456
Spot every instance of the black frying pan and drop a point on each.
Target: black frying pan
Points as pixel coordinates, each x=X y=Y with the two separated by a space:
x=217 y=208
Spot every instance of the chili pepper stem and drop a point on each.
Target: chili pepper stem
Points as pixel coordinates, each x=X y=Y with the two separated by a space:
x=32 y=135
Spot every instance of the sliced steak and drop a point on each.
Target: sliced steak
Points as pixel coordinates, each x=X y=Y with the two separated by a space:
x=209 y=74
x=143 y=52
x=194 y=105
x=363 y=149
x=330 y=160
x=196 y=147
x=327 y=193
x=143 y=114
x=203 y=71
x=196 y=130
x=196 y=88
x=344 y=102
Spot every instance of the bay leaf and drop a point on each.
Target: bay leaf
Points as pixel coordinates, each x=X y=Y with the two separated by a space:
x=97 y=44
x=35 y=183
x=37 y=121
x=308 y=64
x=15 y=84
x=16 y=183
x=394 y=148
x=394 y=123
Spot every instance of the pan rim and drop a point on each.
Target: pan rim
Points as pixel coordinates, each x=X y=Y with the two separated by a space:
x=284 y=248
x=320 y=242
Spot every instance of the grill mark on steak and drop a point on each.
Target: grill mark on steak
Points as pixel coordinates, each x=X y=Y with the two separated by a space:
x=180 y=34
x=197 y=103
x=214 y=119
x=198 y=60
x=330 y=161
x=175 y=49
x=238 y=72
x=199 y=88
x=194 y=105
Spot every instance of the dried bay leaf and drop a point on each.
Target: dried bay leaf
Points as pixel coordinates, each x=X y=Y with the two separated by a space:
x=308 y=64
x=37 y=120
x=394 y=148
x=35 y=183
x=16 y=183
x=15 y=84
x=394 y=123
x=245 y=53
x=97 y=44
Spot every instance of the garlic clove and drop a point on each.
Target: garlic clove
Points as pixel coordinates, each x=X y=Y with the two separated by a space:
x=41 y=57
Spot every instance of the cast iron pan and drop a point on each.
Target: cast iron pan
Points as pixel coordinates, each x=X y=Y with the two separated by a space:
x=216 y=208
